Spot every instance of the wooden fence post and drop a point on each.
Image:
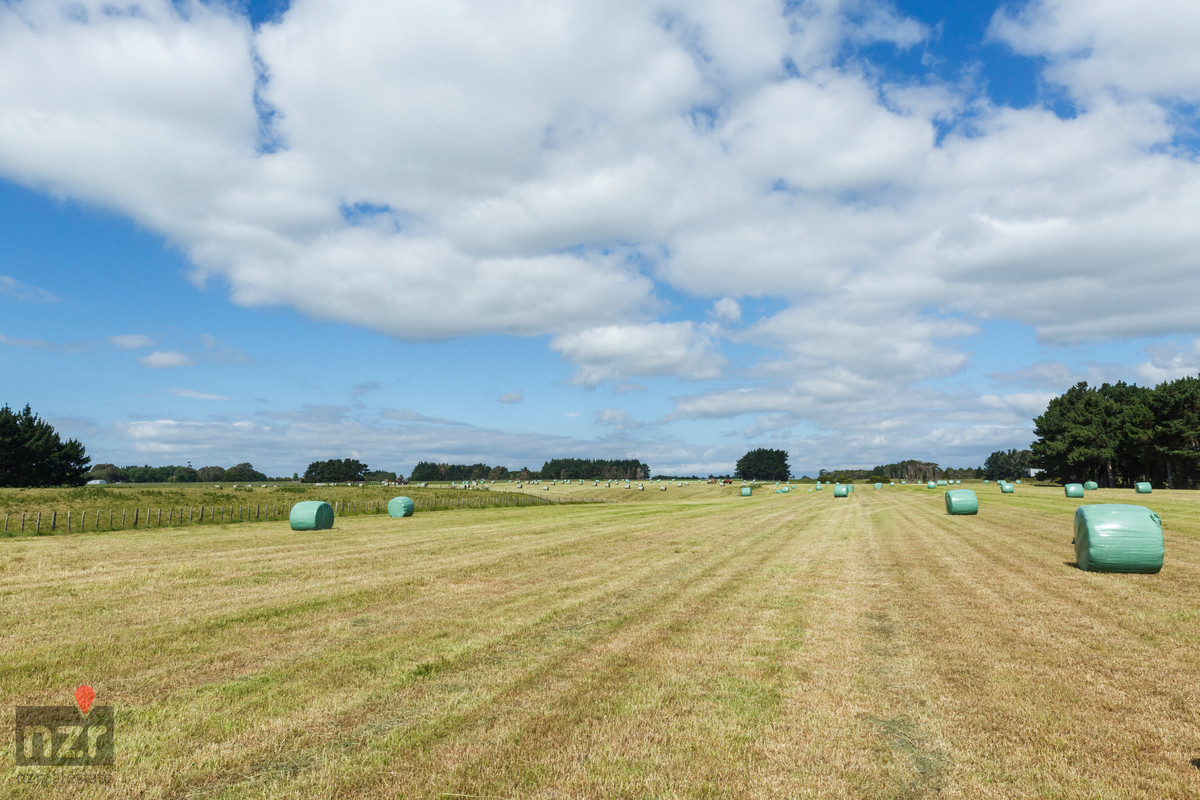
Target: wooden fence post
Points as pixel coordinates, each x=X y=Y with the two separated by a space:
x=22 y=522
x=38 y=529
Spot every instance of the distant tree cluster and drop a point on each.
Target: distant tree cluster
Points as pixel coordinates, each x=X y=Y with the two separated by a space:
x=910 y=470
x=1118 y=434
x=336 y=470
x=429 y=471
x=763 y=465
x=1008 y=465
x=33 y=454
x=239 y=473
x=554 y=469
x=593 y=468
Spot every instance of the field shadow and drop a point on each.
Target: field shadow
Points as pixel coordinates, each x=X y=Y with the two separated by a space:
x=1074 y=564
x=1195 y=762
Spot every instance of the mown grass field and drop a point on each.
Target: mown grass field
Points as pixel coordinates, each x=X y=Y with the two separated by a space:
x=693 y=643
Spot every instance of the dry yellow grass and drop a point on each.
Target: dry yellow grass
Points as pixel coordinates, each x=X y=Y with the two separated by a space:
x=690 y=644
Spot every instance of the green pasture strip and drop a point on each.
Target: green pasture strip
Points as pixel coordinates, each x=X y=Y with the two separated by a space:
x=43 y=512
x=791 y=645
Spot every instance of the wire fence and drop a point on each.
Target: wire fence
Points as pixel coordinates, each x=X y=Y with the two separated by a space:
x=42 y=523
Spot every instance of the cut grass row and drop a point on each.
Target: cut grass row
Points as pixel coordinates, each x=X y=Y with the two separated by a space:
x=775 y=646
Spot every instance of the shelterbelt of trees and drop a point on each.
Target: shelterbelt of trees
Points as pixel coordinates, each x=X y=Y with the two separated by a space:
x=554 y=469
x=1118 y=434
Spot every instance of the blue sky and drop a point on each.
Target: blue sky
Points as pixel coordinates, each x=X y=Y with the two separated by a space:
x=506 y=232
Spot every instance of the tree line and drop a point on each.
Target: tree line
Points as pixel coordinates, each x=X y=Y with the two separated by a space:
x=1119 y=434
x=111 y=473
x=33 y=454
x=554 y=469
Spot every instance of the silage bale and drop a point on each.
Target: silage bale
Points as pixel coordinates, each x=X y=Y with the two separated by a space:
x=785 y=489
x=879 y=486
x=747 y=491
x=819 y=487
x=1007 y=488
x=962 y=501
x=841 y=490
x=1073 y=490
x=1118 y=538
x=931 y=485
x=401 y=507
x=942 y=483
x=1090 y=486
x=311 y=515
x=1143 y=487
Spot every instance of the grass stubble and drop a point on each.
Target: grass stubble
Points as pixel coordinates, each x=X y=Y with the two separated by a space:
x=698 y=644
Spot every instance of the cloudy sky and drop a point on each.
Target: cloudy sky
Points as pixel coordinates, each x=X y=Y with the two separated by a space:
x=506 y=231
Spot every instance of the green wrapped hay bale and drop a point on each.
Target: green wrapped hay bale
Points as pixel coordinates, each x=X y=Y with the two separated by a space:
x=819 y=486
x=785 y=489
x=1007 y=488
x=1143 y=487
x=311 y=515
x=849 y=487
x=1091 y=486
x=841 y=490
x=962 y=501
x=1073 y=490
x=931 y=485
x=879 y=486
x=401 y=507
x=941 y=483
x=747 y=491
x=1118 y=538
x=1018 y=480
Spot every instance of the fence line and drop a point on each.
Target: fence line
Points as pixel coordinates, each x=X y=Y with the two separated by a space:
x=229 y=514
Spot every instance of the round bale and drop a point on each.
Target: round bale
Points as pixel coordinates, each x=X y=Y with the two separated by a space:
x=311 y=515
x=747 y=491
x=1007 y=488
x=841 y=490
x=1091 y=486
x=931 y=485
x=962 y=501
x=1143 y=487
x=1073 y=490
x=1118 y=538
x=401 y=507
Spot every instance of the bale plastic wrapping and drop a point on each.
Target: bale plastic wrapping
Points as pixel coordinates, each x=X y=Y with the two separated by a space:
x=311 y=515
x=1118 y=538
x=401 y=507
x=1073 y=490
x=1091 y=486
x=841 y=490
x=1142 y=487
x=962 y=501
x=1007 y=488
x=747 y=491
